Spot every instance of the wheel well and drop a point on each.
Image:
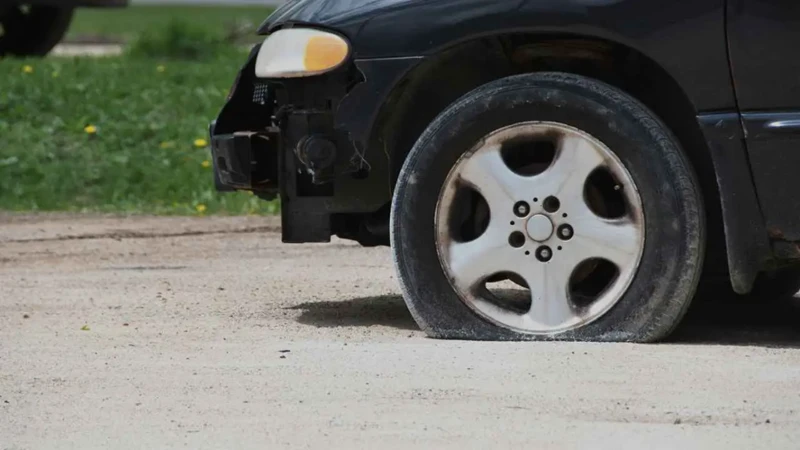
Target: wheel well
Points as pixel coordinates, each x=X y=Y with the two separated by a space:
x=443 y=78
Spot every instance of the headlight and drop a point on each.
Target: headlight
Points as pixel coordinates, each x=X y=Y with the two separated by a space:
x=300 y=52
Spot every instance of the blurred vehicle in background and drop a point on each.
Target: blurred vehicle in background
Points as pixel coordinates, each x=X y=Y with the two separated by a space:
x=34 y=27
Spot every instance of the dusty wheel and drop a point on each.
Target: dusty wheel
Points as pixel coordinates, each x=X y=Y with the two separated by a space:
x=547 y=206
x=28 y=30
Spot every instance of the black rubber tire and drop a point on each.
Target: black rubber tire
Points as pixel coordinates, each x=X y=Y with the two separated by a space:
x=667 y=277
x=35 y=33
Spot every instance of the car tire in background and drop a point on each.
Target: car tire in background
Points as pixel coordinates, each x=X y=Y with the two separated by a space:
x=558 y=182
x=32 y=30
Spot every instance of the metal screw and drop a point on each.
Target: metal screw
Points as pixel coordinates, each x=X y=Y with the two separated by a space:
x=521 y=209
x=544 y=253
x=565 y=232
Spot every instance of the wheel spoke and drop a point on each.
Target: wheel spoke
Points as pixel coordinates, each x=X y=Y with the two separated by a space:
x=472 y=262
x=548 y=284
x=546 y=240
x=486 y=171
x=617 y=240
x=575 y=160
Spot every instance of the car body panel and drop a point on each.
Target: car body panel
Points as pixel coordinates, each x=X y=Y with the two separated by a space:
x=773 y=145
x=687 y=41
x=344 y=15
x=746 y=239
x=763 y=37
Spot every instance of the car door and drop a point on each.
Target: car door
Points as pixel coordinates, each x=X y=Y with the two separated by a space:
x=764 y=51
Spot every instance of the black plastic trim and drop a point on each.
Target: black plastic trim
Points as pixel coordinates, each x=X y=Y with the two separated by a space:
x=771 y=125
x=746 y=236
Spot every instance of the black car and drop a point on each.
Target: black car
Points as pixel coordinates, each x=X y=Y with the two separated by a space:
x=542 y=169
x=34 y=27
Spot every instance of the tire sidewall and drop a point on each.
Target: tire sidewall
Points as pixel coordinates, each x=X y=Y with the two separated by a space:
x=667 y=275
x=47 y=25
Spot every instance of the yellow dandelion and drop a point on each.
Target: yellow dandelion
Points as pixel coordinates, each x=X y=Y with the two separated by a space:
x=201 y=208
x=206 y=164
x=27 y=69
x=161 y=69
x=200 y=143
x=90 y=129
x=167 y=144
x=55 y=74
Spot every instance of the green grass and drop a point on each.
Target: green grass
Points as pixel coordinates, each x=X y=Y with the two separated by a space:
x=179 y=40
x=124 y=24
x=143 y=157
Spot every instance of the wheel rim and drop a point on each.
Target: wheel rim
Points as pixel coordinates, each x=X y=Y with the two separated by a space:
x=549 y=208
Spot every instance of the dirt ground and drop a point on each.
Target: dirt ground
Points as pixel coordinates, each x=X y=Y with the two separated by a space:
x=209 y=333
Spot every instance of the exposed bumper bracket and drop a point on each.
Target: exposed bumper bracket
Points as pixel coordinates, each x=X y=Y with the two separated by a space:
x=246 y=160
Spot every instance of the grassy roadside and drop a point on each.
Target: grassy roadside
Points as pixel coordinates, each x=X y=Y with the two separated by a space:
x=114 y=135
x=122 y=25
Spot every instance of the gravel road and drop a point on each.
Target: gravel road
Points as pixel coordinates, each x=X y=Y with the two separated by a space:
x=209 y=333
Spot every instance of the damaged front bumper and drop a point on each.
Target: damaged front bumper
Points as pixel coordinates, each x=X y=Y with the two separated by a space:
x=245 y=155
x=305 y=140
x=246 y=160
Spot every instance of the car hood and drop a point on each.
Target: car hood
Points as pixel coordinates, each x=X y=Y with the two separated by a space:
x=342 y=14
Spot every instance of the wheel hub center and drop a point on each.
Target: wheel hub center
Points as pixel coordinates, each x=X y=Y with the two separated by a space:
x=539 y=228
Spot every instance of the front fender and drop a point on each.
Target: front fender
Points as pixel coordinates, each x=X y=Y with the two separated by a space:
x=346 y=16
x=687 y=39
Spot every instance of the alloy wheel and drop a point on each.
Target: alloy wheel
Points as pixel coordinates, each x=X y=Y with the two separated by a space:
x=540 y=228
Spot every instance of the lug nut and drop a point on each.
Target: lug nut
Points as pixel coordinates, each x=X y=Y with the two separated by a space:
x=544 y=253
x=521 y=209
x=565 y=232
